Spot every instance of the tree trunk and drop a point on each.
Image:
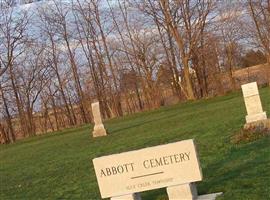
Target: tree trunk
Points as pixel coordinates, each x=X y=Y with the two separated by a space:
x=189 y=87
x=11 y=136
x=23 y=122
x=179 y=40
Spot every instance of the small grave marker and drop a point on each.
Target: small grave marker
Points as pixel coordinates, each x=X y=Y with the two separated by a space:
x=99 y=129
x=253 y=103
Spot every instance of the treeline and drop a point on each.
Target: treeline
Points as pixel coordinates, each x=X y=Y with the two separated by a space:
x=57 y=57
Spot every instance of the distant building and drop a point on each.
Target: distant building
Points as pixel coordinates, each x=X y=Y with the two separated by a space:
x=259 y=73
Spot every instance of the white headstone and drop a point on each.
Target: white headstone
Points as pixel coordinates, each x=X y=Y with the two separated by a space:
x=253 y=103
x=99 y=129
x=174 y=166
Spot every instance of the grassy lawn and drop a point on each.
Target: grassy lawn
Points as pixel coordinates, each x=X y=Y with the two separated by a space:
x=59 y=165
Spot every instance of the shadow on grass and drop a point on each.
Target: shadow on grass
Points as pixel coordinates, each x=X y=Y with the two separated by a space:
x=155 y=194
x=234 y=169
x=50 y=135
x=142 y=123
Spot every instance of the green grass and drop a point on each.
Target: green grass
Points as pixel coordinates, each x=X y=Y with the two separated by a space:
x=59 y=165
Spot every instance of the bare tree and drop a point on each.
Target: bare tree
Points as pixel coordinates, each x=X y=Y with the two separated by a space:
x=9 y=135
x=185 y=21
x=59 y=18
x=54 y=51
x=33 y=76
x=14 y=37
x=94 y=44
x=260 y=14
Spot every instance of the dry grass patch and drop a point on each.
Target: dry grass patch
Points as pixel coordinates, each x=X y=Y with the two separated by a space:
x=250 y=134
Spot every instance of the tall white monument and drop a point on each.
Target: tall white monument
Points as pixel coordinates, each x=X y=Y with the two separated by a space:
x=253 y=103
x=99 y=129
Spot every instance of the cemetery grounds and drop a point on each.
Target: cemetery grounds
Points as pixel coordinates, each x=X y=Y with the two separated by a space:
x=59 y=165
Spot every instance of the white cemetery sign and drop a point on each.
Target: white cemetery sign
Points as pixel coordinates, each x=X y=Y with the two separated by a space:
x=99 y=129
x=253 y=103
x=175 y=166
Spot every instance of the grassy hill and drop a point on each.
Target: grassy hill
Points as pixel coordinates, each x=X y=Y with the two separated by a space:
x=59 y=166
